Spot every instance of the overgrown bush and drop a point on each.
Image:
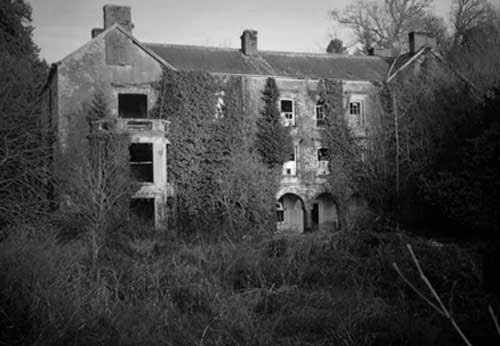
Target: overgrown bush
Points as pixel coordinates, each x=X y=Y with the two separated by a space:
x=318 y=289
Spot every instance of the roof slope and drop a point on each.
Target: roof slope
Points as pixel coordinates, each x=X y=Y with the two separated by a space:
x=296 y=65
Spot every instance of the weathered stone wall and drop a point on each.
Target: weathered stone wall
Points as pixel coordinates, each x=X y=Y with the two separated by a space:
x=85 y=72
x=309 y=182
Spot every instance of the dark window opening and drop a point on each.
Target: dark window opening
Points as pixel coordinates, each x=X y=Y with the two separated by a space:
x=141 y=161
x=143 y=209
x=355 y=108
x=286 y=106
x=133 y=105
x=280 y=212
x=320 y=114
x=323 y=154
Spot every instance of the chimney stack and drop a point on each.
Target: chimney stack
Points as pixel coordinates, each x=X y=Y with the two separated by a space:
x=249 y=42
x=118 y=14
x=417 y=40
x=96 y=32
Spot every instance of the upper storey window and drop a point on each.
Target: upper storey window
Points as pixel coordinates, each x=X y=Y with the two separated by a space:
x=320 y=114
x=287 y=111
x=133 y=106
x=356 y=113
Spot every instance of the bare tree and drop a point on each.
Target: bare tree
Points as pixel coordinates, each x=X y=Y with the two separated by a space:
x=385 y=22
x=96 y=186
x=467 y=14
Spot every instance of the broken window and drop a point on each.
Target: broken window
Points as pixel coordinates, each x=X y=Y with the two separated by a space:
x=355 y=110
x=323 y=154
x=133 y=106
x=280 y=212
x=287 y=111
x=141 y=162
x=143 y=209
x=320 y=113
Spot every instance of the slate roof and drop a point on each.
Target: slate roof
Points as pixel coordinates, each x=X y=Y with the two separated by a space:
x=296 y=65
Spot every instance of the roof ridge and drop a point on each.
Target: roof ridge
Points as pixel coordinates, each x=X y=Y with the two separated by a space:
x=272 y=52
x=190 y=46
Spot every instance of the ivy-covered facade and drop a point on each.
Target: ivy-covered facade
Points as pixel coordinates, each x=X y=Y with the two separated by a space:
x=213 y=99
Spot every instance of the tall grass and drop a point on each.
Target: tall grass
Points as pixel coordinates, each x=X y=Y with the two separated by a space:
x=335 y=289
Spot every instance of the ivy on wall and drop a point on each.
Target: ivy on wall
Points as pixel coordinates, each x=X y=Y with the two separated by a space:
x=219 y=183
x=344 y=151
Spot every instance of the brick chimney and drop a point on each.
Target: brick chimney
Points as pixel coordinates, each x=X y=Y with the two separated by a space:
x=418 y=40
x=249 y=42
x=96 y=32
x=118 y=14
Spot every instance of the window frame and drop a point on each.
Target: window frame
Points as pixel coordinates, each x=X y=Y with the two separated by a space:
x=142 y=163
x=320 y=122
x=359 y=120
x=289 y=121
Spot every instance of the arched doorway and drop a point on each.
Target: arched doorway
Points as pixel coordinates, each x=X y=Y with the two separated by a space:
x=291 y=213
x=324 y=213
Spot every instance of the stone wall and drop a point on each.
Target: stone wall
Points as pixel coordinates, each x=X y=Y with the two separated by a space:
x=310 y=181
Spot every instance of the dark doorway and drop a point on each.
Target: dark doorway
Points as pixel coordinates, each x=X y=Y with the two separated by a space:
x=315 y=215
x=133 y=106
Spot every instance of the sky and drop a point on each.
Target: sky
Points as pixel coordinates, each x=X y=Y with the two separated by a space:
x=62 y=26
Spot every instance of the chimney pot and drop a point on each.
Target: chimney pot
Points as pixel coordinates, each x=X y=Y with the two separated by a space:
x=417 y=40
x=118 y=14
x=96 y=32
x=249 y=42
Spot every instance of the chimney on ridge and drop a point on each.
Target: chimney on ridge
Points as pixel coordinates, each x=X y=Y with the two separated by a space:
x=249 y=42
x=118 y=14
x=417 y=40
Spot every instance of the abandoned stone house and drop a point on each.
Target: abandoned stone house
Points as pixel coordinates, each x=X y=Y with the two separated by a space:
x=124 y=69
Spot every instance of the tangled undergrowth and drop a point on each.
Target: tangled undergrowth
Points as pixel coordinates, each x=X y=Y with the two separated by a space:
x=319 y=289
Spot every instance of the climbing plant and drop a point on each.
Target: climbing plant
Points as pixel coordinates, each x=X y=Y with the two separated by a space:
x=344 y=151
x=220 y=185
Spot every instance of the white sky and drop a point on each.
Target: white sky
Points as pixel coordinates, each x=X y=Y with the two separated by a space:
x=61 y=26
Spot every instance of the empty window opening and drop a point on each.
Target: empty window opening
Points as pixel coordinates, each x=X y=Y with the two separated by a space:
x=141 y=162
x=323 y=154
x=133 y=106
x=320 y=114
x=143 y=209
x=280 y=212
x=286 y=109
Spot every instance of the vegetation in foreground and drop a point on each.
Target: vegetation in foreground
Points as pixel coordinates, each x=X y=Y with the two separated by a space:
x=318 y=289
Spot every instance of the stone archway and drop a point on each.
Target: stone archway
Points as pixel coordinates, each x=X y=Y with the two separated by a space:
x=291 y=213
x=324 y=213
